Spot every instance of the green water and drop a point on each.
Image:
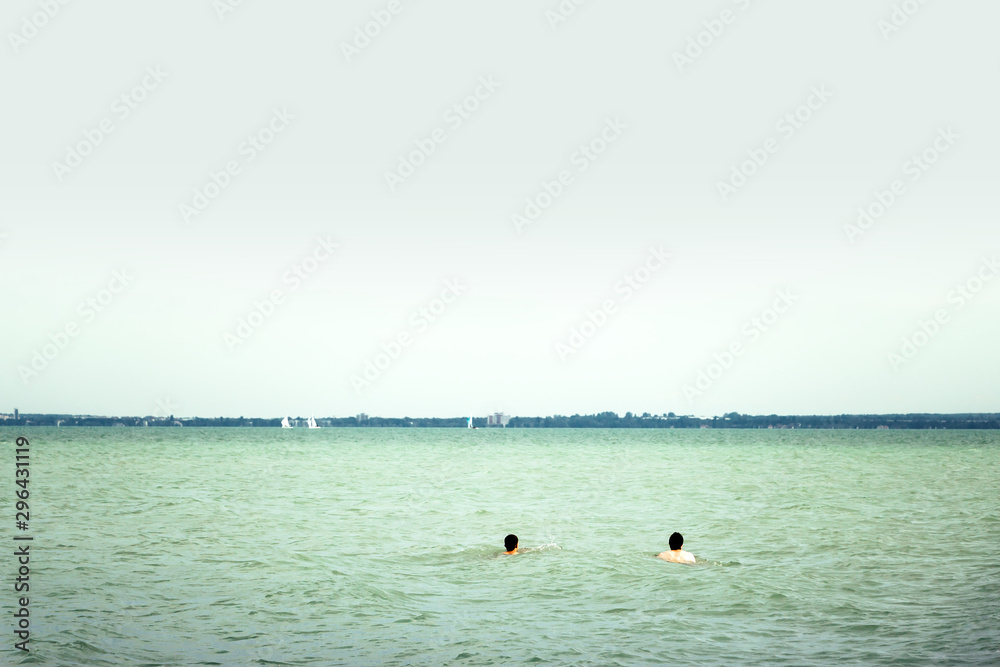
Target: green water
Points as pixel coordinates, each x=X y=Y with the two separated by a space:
x=382 y=546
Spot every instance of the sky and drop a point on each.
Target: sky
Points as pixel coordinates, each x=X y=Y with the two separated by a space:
x=220 y=208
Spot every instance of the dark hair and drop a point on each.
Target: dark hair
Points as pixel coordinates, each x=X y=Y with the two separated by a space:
x=510 y=542
x=676 y=540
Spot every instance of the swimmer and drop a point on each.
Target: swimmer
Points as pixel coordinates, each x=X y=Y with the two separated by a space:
x=510 y=544
x=676 y=554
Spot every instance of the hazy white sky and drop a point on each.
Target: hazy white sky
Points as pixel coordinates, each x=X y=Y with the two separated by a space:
x=259 y=210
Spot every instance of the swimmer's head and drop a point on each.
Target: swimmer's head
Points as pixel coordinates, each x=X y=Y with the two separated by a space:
x=510 y=542
x=676 y=541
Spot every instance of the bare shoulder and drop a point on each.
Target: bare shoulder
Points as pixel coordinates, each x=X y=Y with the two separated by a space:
x=678 y=556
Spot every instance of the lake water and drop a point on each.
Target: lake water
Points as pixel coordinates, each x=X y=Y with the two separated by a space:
x=383 y=546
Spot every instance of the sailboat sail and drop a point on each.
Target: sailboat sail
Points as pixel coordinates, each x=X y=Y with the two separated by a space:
x=312 y=423
x=285 y=423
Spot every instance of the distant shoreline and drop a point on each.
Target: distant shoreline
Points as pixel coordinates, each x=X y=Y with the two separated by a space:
x=916 y=421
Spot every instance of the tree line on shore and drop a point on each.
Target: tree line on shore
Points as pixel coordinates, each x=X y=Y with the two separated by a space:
x=599 y=420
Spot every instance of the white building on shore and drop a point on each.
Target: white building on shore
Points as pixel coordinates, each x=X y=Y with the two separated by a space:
x=497 y=419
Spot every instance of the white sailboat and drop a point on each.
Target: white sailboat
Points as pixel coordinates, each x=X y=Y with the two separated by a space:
x=312 y=423
x=285 y=423
x=470 y=423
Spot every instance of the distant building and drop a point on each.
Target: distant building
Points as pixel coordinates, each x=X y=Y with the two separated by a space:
x=16 y=413
x=498 y=419
x=362 y=417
